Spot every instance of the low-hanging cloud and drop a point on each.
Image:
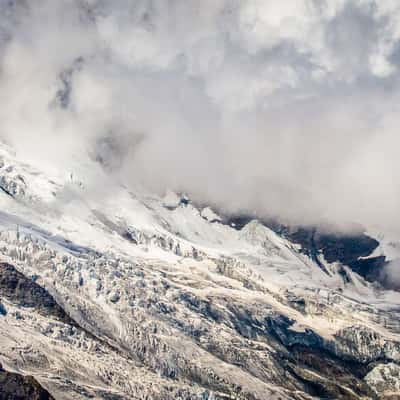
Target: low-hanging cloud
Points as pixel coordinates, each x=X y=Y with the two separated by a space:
x=390 y=275
x=285 y=108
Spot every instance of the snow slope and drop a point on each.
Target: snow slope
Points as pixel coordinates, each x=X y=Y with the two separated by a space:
x=171 y=303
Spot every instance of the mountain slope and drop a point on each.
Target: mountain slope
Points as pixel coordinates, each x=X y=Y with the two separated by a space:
x=122 y=294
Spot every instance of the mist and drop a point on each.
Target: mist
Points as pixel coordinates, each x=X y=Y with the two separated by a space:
x=286 y=109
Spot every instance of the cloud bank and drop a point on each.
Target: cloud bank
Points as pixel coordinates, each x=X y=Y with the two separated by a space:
x=285 y=108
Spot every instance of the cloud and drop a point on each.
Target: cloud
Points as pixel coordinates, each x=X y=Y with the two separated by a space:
x=287 y=109
x=390 y=274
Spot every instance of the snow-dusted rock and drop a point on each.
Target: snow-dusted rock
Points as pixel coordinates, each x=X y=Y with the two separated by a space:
x=385 y=379
x=209 y=215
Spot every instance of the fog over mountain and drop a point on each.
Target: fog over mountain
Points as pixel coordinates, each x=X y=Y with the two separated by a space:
x=286 y=108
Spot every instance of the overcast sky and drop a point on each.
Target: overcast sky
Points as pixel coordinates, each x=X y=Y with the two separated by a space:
x=287 y=108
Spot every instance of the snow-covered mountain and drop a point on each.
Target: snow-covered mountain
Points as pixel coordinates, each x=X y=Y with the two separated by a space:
x=110 y=292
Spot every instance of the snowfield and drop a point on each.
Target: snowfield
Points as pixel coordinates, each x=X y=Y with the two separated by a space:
x=167 y=302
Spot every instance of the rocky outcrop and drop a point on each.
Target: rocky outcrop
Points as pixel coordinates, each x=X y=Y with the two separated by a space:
x=352 y=249
x=25 y=292
x=385 y=380
x=14 y=386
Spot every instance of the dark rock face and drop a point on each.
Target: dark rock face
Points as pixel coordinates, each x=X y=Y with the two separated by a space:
x=326 y=371
x=18 y=387
x=348 y=249
x=329 y=376
x=24 y=292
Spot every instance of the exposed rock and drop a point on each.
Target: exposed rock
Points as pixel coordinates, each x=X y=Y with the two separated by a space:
x=18 y=387
x=25 y=292
x=351 y=249
x=209 y=215
x=385 y=379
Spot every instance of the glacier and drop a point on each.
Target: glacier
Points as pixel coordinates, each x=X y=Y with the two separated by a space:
x=119 y=293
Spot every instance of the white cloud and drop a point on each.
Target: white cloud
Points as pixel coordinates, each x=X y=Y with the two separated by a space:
x=286 y=108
